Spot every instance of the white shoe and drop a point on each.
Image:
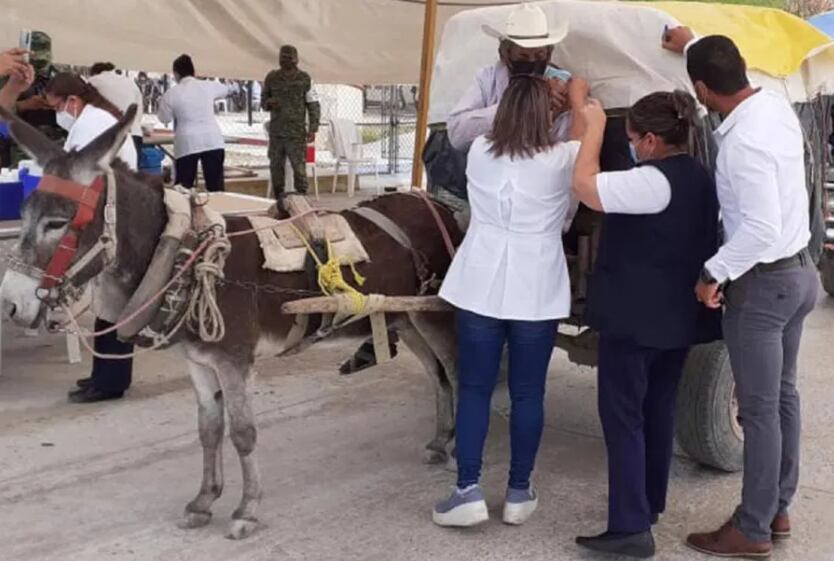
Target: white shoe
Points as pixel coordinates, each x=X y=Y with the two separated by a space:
x=519 y=505
x=464 y=508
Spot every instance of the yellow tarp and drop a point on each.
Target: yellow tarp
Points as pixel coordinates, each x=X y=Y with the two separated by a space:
x=771 y=40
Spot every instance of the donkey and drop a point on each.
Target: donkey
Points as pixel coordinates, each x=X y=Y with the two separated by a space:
x=221 y=372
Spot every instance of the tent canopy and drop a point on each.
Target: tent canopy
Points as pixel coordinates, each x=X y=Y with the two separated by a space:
x=339 y=41
x=616 y=46
x=824 y=22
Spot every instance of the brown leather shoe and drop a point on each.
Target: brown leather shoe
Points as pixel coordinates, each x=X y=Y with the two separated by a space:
x=781 y=527
x=727 y=541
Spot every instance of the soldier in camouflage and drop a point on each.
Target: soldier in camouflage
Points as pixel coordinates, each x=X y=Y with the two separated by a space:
x=289 y=95
x=32 y=106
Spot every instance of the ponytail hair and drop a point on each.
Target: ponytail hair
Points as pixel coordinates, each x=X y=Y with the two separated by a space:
x=672 y=116
x=65 y=84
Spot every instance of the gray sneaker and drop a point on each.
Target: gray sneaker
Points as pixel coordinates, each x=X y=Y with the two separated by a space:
x=519 y=505
x=465 y=507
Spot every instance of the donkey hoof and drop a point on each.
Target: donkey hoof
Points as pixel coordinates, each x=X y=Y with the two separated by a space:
x=242 y=528
x=434 y=457
x=194 y=520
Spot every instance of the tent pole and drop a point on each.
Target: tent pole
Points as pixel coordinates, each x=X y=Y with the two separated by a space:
x=426 y=67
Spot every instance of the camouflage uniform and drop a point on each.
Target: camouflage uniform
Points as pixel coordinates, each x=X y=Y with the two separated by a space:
x=290 y=97
x=42 y=119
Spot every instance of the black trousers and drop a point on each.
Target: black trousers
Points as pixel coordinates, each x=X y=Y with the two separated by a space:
x=212 y=163
x=637 y=395
x=111 y=375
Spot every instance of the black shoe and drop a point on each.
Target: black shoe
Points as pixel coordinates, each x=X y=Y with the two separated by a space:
x=92 y=395
x=84 y=382
x=364 y=358
x=633 y=545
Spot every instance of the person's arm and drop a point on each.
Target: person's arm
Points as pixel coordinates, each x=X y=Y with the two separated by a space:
x=267 y=101
x=15 y=86
x=752 y=178
x=165 y=111
x=578 y=91
x=591 y=121
x=13 y=63
x=471 y=117
x=313 y=111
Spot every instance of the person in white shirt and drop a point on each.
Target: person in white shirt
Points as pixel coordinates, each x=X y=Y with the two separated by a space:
x=509 y=283
x=766 y=278
x=85 y=114
x=197 y=134
x=122 y=92
x=660 y=225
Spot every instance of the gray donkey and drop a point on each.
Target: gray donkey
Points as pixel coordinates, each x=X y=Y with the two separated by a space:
x=250 y=297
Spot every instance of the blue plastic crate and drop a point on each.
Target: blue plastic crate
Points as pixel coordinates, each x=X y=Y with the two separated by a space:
x=11 y=197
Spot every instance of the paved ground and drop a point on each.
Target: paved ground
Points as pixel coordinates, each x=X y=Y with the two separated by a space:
x=341 y=463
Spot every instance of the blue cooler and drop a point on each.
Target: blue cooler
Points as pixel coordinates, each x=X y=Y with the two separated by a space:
x=150 y=160
x=30 y=182
x=11 y=197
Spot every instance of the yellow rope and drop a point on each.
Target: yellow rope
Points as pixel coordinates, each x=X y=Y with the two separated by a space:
x=330 y=277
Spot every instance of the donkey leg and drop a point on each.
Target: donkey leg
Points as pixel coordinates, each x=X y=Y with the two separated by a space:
x=445 y=419
x=211 y=426
x=235 y=381
x=437 y=330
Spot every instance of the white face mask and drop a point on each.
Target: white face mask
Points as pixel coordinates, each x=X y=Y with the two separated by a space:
x=65 y=120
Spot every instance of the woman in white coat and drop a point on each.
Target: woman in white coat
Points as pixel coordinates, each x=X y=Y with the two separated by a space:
x=85 y=114
x=509 y=282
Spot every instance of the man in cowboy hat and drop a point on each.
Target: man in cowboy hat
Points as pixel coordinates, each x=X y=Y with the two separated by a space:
x=525 y=47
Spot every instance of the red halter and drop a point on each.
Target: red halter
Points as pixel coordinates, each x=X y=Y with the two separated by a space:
x=87 y=198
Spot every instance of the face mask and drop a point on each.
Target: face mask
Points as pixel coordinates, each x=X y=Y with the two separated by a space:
x=534 y=67
x=633 y=152
x=65 y=120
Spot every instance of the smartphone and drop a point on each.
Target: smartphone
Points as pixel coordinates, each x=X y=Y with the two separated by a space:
x=25 y=42
x=558 y=73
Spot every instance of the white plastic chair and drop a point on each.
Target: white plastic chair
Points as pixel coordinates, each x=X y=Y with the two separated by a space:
x=221 y=105
x=348 y=149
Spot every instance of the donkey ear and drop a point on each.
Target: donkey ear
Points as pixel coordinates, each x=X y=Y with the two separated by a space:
x=101 y=151
x=33 y=141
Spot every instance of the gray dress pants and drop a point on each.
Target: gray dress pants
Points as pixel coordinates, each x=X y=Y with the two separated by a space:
x=765 y=310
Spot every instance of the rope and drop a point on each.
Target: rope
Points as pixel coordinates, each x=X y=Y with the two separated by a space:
x=204 y=315
x=330 y=279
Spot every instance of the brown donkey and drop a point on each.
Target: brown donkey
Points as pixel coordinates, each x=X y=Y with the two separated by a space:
x=250 y=297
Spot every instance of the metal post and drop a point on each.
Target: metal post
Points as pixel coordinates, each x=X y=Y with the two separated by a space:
x=249 y=100
x=426 y=66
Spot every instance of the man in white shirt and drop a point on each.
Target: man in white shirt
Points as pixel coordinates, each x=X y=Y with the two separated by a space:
x=771 y=283
x=197 y=135
x=122 y=92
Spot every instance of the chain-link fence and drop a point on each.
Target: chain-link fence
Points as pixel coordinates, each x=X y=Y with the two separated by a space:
x=386 y=117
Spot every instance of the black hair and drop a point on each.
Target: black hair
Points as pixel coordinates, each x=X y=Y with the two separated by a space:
x=716 y=61
x=668 y=115
x=183 y=66
x=100 y=67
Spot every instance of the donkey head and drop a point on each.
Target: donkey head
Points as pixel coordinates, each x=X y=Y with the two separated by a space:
x=46 y=217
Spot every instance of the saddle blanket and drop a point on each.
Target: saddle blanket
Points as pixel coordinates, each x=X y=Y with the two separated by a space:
x=284 y=251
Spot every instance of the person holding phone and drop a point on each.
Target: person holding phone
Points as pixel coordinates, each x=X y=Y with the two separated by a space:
x=660 y=224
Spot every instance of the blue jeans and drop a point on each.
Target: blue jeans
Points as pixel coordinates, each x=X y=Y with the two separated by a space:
x=480 y=345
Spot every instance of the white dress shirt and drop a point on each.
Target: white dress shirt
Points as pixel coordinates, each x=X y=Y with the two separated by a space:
x=511 y=264
x=190 y=104
x=640 y=190
x=122 y=92
x=760 y=177
x=475 y=112
x=89 y=125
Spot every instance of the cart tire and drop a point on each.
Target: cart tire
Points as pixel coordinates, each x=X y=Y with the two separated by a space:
x=707 y=427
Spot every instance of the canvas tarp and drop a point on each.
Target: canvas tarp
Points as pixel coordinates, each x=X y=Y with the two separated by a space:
x=340 y=41
x=616 y=46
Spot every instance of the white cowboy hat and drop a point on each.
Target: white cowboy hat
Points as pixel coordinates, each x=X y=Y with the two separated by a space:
x=527 y=27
